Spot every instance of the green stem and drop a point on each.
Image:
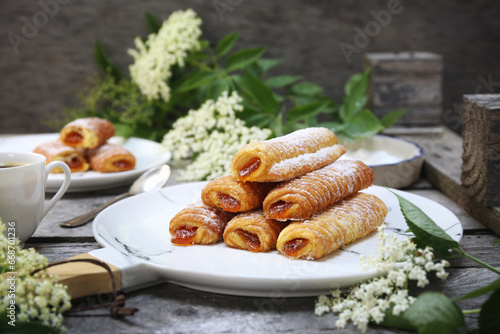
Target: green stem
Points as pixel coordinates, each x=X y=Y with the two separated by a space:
x=484 y=264
x=477 y=310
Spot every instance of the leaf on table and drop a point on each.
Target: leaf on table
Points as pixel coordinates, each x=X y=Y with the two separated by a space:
x=30 y=327
x=103 y=62
x=226 y=44
x=434 y=313
x=425 y=229
x=153 y=23
x=242 y=58
x=489 y=317
x=481 y=291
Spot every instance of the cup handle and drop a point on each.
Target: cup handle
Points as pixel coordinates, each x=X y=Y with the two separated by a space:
x=62 y=189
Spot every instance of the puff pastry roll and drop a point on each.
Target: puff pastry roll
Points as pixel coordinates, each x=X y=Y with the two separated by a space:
x=110 y=158
x=87 y=132
x=342 y=223
x=252 y=231
x=198 y=224
x=235 y=196
x=56 y=151
x=286 y=157
x=308 y=194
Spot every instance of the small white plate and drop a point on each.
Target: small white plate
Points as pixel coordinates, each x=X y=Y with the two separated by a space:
x=147 y=153
x=396 y=162
x=137 y=229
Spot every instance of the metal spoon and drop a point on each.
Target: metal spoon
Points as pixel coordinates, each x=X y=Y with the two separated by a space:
x=155 y=178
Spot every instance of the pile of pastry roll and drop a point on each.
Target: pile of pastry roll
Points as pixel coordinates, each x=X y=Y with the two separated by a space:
x=83 y=145
x=289 y=193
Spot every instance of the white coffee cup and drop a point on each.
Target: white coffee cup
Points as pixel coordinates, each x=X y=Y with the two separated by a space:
x=23 y=178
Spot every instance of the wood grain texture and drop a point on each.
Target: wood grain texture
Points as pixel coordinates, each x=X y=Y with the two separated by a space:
x=442 y=167
x=41 y=79
x=169 y=308
x=481 y=145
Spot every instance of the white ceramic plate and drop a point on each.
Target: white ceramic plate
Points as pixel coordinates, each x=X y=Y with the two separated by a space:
x=396 y=162
x=147 y=153
x=137 y=229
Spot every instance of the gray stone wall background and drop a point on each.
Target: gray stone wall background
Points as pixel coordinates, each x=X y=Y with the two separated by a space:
x=51 y=63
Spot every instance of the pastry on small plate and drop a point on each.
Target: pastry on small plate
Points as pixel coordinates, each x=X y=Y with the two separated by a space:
x=56 y=151
x=87 y=132
x=110 y=158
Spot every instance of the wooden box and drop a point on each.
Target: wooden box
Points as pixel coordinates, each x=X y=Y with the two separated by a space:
x=406 y=80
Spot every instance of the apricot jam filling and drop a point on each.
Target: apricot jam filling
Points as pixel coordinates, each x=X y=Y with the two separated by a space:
x=293 y=247
x=228 y=203
x=122 y=164
x=184 y=235
x=74 y=162
x=251 y=239
x=73 y=137
x=251 y=166
x=279 y=209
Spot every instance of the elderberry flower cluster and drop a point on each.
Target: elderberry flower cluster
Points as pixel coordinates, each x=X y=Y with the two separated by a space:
x=211 y=136
x=369 y=301
x=29 y=297
x=154 y=58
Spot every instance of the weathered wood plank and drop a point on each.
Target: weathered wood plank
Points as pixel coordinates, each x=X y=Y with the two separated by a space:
x=442 y=167
x=481 y=144
x=406 y=80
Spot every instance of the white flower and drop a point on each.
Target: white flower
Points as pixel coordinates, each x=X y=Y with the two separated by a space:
x=154 y=58
x=369 y=301
x=212 y=134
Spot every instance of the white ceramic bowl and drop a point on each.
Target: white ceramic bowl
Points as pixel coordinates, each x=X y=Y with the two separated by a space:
x=396 y=162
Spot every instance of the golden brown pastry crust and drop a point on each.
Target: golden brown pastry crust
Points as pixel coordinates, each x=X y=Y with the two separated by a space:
x=284 y=158
x=56 y=151
x=252 y=231
x=300 y=198
x=235 y=196
x=110 y=158
x=87 y=132
x=342 y=223
x=198 y=224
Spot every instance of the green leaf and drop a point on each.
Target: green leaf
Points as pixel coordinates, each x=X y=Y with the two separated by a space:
x=262 y=95
x=215 y=88
x=392 y=117
x=306 y=89
x=226 y=44
x=267 y=63
x=357 y=84
x=352 y=106
x=305 y=111
x=282 y=80
x=103 y=62
x=489 y=317
x=395 y=321
x=362 y=125
x=481 y=291
x=243 y=58
x=433 y=313
x=153 y=23
x=424 y=228
x=197 y=79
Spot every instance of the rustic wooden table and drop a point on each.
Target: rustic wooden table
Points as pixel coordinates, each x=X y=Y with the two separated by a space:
x=169 y=308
